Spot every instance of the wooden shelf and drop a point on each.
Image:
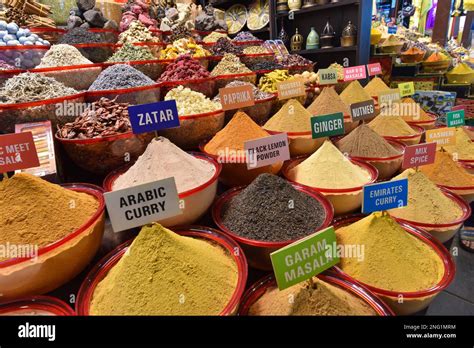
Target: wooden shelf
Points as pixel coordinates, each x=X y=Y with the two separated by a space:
x=327 y=50
x=321 y=7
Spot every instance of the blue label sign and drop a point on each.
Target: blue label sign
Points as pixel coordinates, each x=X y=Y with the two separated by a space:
x=385 y=195
x=152 y=117
x=392 y=29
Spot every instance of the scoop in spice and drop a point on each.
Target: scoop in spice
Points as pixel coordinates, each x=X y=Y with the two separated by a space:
x=270 y=209
x=365 y=142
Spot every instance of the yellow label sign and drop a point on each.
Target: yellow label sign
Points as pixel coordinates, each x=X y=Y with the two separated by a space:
x=441 y=136
x=406 y=89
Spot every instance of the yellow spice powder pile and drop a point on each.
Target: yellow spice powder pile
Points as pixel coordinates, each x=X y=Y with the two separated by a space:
x=354 y=93
x=319 y=298
x=36 y=212
x=292 y=117
x=391 y=126
x=393 y=259
x=329 y=168
x=328 y=102
x=464 y=147
x=426 y=202
x=445 y=171
x=163 y=273
x=376 y=86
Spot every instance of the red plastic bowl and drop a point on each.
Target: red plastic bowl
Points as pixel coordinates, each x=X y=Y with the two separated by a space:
x=102 y=155
x=408 y=139
x=99 y=272
x=42 y=110
x=46 y=305
x=258 y=251
x=386 y=166
x=268 y=282
x=57 y=262
x=428 y=124
x=421 y=299
x=344 y=200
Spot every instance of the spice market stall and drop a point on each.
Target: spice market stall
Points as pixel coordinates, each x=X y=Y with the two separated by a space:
x=163 y=160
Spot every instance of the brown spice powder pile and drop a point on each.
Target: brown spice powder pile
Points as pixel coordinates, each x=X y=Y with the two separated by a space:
x=36 y=212
x=354 y=93
x=365 y=142
x=303 y=299
x=328 y=102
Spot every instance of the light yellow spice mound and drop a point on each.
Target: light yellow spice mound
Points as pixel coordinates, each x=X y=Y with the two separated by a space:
x=426 y=202
x=391 y=126
x=163 y=273
x=393 y=259
x=329 y=168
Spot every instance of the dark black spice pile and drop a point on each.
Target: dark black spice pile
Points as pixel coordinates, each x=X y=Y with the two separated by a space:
x=271 y=210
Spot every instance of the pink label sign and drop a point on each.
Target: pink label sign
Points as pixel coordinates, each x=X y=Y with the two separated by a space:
x=419 y=155
x=458 y=107
x=355 y=73
x=374 y=69
x=266 y=151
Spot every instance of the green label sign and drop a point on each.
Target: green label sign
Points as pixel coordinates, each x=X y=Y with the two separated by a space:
x=406 y=89
x=327 y=76
x=327 y=125
x=305 y=258
x=455 y=118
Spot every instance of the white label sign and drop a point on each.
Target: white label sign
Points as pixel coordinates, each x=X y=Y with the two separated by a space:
x=142 y=204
